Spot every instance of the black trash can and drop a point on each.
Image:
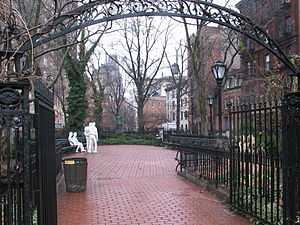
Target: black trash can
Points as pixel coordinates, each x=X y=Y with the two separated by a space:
x=75 y=171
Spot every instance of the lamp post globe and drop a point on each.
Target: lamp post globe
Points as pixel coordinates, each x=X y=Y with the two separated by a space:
x=175 y=68
x=219 y=71
x=210 y=100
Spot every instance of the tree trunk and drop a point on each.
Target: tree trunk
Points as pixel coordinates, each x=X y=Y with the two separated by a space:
x=118 y=121
x=202 y=104
x=98 y=111
x=141 y=117
x=177 y=110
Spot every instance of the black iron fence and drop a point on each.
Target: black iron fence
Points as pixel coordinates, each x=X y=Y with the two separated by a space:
x=256 y=162
x=260 y=169
x=202 y=157
x=45 y=130
x=291 y=158
x=15 y=154
x=27 y=155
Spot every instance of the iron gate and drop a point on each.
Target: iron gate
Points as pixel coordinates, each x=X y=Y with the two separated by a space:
x=291 y=158
x=27 y=155
x=264 y=159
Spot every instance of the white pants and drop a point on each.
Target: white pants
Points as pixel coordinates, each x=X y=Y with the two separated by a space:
x=80 y=146
x=89 y=144
x=93 y=144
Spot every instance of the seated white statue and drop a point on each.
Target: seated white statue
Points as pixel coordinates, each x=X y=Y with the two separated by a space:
x=94 y=137
x=74 y=142
x=70 y=138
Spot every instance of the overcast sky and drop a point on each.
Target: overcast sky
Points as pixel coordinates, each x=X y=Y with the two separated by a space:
x=110 y=41
x=222 y=2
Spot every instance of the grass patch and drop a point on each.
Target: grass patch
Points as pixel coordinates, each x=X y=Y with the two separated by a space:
x=130 y=139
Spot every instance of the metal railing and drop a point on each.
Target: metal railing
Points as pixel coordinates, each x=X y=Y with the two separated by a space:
x=203 y=157
x=251 y=168
x=256 y=164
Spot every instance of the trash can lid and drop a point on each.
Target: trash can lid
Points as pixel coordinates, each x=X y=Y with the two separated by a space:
x=74 y=160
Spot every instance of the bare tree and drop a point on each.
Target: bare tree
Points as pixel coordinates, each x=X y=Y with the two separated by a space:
x=76 y=70
x=142 y=38
x=95 y=90
x=107 y=82
x=201 y=51
x=179 y=81
x=116 y=92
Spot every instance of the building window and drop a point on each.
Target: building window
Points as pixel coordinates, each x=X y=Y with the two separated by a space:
x=186 y=127
x=173 y=116
x=249 y=68
x=254 y=67
x=288 y=24
x=181 y=115
x=227 y=84
x=268 y=62
x=234 y=83
x=185 y=115
x=173 y=104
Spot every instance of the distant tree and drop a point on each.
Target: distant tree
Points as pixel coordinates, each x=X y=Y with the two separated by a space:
x=200 y=51
x=144 y=42
x=116 y=92
x=179 y=81
x=76 y=69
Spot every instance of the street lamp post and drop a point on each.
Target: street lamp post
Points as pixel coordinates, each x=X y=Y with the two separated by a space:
x=219 y=71
x=175 y=69
x=210 y=103
x=175 y=72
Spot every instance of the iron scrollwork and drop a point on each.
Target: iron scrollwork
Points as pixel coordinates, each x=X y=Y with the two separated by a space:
x=292 y=104
x=91 y=12
x=11 y=114
x=9 y=97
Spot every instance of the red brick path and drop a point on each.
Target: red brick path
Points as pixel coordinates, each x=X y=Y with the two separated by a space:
x=137 y=185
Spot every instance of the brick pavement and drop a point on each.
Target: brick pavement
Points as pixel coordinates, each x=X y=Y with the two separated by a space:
x=137 y=185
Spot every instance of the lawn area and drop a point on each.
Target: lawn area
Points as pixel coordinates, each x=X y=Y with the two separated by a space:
x=130 y=139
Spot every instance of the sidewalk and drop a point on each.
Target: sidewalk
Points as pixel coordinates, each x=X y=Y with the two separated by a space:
x=137 y=185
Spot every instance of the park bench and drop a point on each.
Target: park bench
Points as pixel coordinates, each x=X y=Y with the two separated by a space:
x=64 y=146
x=189 y=147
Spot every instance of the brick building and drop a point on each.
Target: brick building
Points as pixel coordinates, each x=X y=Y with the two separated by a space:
x=171 y=106
x=281 y=20
x=126 y=120
x=231 y=94
x=214 y=43
x=155 y=113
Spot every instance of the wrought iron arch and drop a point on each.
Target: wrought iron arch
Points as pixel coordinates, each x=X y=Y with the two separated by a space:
x=93 y=12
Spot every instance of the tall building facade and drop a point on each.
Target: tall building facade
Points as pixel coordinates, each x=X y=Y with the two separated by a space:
x=281 y=20
x=214 y=46
x=171 y=108
x=154 y=113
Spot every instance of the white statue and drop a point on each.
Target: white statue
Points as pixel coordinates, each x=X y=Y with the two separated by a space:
x=88 y=136
x=94 y=137
x=70 y=138
x=74 y=142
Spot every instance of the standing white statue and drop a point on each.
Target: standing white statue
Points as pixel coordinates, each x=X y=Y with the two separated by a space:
x=94 y=137
x=88 y=136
